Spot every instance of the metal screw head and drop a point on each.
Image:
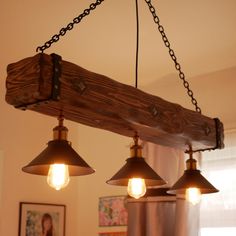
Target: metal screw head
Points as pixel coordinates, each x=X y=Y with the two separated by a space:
x=80 y=86
x=154 y=111
x=206 y=129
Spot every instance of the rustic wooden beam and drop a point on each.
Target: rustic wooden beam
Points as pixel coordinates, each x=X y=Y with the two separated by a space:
x=98 y=101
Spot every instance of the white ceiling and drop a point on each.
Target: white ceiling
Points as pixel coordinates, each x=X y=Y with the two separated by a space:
x=201 y=32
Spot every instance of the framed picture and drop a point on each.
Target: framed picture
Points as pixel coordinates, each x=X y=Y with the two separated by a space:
x=113 y=234
x=112 y=211
x=38 y=219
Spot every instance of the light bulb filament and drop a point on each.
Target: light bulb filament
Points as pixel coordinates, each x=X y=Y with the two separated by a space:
x=58 y=176
x=193 y=195
x=136 y=187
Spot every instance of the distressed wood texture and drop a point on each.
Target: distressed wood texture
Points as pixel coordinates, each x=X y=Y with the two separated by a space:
x=98 y=101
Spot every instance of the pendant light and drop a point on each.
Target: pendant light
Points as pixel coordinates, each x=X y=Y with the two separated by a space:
x=136 y=174
x=59 y=160
x=192 y=183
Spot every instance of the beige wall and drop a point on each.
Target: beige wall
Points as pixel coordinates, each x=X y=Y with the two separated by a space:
x=106 y=152
x=105 y=43
x=24 y=135
x=1 y=182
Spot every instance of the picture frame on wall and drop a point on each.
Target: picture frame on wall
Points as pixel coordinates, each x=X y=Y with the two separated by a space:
x=112 y=211
x=39 y=218
x=113 y=234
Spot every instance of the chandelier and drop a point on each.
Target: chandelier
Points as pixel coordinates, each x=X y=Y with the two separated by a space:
x=49 y=85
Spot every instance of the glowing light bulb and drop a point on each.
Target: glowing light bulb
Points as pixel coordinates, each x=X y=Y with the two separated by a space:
x=58 y=176
x=136 y=187
x=193 y=195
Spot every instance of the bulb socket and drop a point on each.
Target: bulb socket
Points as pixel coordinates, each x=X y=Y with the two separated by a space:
x=60 y=132
x=191 y=164
x=136 y=151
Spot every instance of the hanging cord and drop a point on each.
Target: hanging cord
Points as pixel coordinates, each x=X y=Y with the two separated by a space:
x=137 y=44
x=70 y=26
x=172 y=55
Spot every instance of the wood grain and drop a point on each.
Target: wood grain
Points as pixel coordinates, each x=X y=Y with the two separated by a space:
x=98 y=101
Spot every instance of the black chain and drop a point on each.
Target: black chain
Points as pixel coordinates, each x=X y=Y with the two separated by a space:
x=172 y=55
x=70 y=26
x=156 y=19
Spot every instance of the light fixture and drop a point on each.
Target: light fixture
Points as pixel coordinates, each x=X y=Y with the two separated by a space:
x=59 y=160
x=136 y=174
x=93 y=108
x=192 y=183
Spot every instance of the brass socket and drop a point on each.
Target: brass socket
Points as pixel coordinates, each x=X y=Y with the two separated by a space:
x=191 y=164
x=136 y=151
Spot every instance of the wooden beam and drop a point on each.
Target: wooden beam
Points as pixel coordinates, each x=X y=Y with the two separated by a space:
x=98 y=101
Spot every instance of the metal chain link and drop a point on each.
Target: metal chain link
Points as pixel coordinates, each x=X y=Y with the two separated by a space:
x=172 y=55
x=70 y=26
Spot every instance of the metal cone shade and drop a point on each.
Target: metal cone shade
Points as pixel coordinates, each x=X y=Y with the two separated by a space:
x=58 y=152
x=192 y=179
x=136 y=167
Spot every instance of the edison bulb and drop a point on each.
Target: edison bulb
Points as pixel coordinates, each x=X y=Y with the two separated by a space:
x=193 y=195
x=136 y=187
x=58 y=176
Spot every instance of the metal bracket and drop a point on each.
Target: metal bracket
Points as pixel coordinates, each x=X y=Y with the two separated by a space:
x=56 y=85
x=219 y=139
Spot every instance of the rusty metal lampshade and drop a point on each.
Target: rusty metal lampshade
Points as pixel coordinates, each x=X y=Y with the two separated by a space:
x=59 y=151
x=136 y=167
x=192 y=178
